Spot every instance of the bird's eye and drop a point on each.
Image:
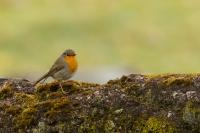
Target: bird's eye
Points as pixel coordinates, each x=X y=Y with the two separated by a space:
x=64 y=53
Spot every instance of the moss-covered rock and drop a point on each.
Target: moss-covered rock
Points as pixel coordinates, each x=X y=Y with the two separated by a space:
x=6 y=91
x=134 y=103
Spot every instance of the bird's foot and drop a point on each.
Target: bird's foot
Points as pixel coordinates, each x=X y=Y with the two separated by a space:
x=61 y=88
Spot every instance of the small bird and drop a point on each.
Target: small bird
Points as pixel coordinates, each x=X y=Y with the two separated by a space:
x=63 y=68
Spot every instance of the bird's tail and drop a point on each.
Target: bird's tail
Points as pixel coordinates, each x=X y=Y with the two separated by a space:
x=42 y=78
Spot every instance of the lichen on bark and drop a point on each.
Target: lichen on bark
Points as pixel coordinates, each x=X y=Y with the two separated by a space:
x=135 y=103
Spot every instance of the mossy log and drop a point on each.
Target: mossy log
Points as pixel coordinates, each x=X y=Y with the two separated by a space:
x=136 y=103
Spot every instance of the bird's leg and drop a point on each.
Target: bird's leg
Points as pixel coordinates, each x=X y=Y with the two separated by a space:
x=60 y=84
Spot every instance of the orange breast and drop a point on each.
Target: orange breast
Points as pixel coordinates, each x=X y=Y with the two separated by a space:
x=72 y=63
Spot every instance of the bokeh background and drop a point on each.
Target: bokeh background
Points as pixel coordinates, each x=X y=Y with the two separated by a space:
x=111 y=37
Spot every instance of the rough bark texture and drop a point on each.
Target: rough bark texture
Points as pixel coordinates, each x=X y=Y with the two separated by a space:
x=134 y=103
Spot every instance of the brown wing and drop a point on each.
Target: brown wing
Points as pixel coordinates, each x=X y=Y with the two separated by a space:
x=55 y=68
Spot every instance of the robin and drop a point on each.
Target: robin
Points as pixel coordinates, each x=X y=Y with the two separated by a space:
x=63 y=68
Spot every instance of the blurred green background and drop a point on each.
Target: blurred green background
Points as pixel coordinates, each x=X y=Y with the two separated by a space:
x=144 y=36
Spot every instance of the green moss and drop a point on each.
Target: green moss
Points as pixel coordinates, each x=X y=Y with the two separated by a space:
x=58 y=111
x=6 y=91
x=71 y=89
x=74 y=87
x=109 y=126
x=54 y=95
x=25 y=99
x=158 y=125
x=172 y=80
x=26 y=118
x=51 y=114
x=54 y=110
x=156 y=76
x=43 y=106
x=61 y=103
x=13 y=110
x=87 y=85
x=23 y=110
x=44 y=88
x=50 y=104
x=86 y=92
x=55 y=86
